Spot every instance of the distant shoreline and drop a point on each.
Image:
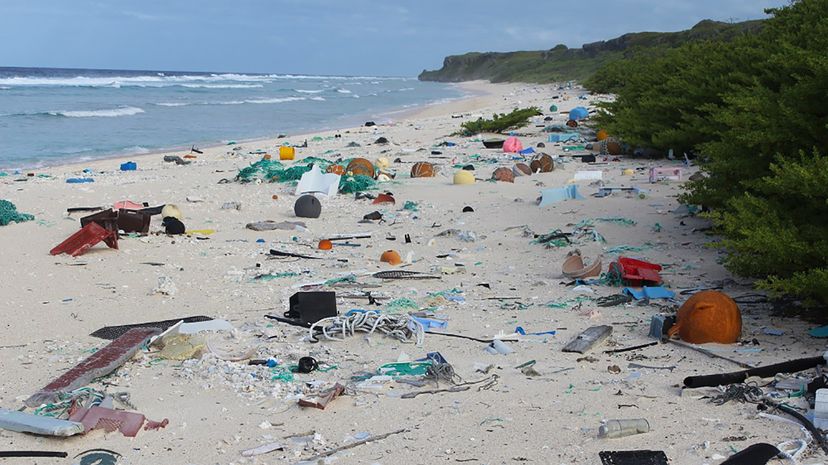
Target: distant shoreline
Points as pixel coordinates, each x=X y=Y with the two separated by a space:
x=474 y=89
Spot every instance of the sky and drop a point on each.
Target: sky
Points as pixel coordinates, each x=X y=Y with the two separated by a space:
x=347 y=37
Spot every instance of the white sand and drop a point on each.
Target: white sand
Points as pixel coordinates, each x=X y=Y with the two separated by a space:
x=51 y=304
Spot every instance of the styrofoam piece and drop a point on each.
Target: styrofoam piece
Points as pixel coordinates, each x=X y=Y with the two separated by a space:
x=315 y=182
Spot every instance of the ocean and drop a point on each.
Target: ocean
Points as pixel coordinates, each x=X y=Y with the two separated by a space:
x=55 y=116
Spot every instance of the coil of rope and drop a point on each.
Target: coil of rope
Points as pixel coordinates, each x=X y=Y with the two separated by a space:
x=401 y=327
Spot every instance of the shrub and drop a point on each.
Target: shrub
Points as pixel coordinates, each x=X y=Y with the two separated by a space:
x=516 y=119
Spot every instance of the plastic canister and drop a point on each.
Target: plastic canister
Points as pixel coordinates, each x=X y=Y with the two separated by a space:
x=621 y=428
x=286 y=152
x=821 y=409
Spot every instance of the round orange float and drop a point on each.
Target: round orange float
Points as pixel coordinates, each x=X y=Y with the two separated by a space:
x=422 y=169
x=542 y=163
x=708 y=316
x=602 y=134
x=503 y=174
x=392 y=257
x=325 y=244
x=360 y=166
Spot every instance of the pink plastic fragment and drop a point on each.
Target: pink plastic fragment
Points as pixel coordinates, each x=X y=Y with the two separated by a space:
x=156 y=424
x=128 y=423
x=128 y=205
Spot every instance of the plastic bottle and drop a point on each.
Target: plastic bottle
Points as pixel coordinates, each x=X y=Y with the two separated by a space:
x=621 y=428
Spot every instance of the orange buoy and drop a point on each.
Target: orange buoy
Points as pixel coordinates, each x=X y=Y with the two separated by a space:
x=325 y=244
x=360 y=166
x=542 y=163
x=422 y=169
x=601 y=135
x=708 y=316
x=392 y=257
x=503 y=174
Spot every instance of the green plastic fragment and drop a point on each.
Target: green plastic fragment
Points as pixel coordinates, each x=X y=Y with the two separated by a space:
x=272 y=276
x=398 y=305
x=396 y=370
x=567 y=303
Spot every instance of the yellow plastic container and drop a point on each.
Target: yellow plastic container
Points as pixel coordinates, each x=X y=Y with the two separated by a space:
x=286 y=153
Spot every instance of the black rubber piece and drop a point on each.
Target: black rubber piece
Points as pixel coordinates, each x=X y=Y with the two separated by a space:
x=633 y=457
x=794 y=366
x=757 y=454
x=32 y=453
x=307 y=365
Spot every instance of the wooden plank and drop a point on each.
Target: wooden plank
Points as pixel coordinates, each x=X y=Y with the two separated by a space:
x=588 y=339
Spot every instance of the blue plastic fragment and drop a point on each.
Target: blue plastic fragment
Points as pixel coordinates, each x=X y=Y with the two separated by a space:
x=655 y=292
x=821 y=331
x=430 y=323
x=523 y=332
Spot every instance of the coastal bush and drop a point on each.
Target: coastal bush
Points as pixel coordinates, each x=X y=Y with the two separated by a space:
x=519 y=117
x=754 y=110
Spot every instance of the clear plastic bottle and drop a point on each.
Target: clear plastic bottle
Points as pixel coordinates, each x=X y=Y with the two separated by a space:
x=621 y=428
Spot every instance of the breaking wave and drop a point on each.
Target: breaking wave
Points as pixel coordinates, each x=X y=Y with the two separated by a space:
x=162 y=80
x=111 y=113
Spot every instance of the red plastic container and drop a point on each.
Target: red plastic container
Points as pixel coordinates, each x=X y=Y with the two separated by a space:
x=85 y=239
x=639 y=273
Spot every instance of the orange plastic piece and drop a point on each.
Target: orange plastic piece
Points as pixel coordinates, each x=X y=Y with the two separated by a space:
x=325 y=244
x=383 y=199
x=336 y=169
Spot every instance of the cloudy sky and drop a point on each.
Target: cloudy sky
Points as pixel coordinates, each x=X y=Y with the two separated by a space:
x=354 y=37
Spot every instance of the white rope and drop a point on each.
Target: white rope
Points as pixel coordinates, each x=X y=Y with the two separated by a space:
x=401 y=327
x=792 y=449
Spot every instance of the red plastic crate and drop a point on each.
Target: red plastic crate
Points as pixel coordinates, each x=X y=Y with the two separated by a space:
x=85 y=239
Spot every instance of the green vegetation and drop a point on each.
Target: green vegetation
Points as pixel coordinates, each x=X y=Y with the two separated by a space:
x=756 y=110
x=519 y=117
x=563 y=64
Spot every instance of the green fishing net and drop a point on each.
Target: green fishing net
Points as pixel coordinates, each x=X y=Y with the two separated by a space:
x=358 y=183
x=275 y=171
x=9 y=213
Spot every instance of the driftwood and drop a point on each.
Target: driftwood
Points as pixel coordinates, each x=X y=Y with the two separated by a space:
x=588 y=339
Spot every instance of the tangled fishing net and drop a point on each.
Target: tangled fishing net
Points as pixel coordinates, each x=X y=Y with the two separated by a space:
x=9 y=213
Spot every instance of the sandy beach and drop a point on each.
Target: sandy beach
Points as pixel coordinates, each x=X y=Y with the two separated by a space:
x=489 y=284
